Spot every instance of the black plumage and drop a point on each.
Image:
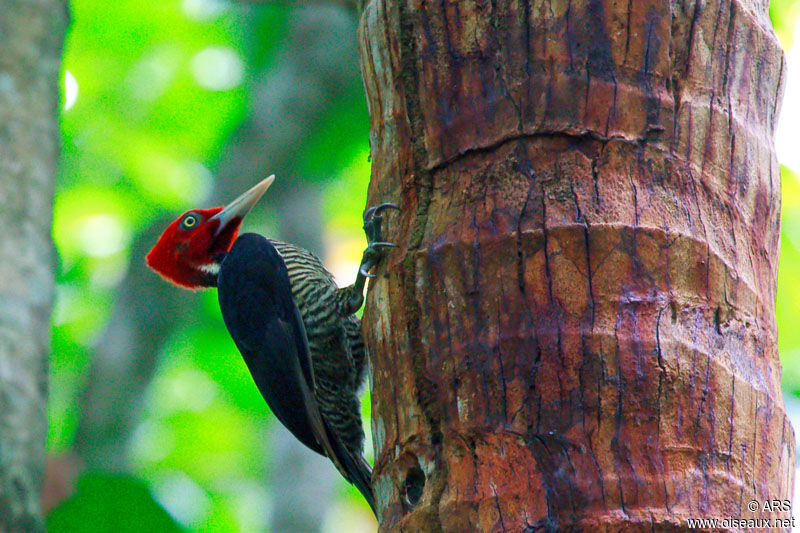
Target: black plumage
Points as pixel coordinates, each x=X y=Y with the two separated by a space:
x=309 y=382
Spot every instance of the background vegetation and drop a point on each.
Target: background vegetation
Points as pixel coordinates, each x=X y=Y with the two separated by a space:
x=184 y=103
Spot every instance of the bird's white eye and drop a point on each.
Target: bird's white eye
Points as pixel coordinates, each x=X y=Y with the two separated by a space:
x=189 y=221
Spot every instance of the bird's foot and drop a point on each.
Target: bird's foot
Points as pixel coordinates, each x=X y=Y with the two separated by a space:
x=373 y=219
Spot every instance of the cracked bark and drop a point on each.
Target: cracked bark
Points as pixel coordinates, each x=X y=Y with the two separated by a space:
x=31 y=36
x=578 y=331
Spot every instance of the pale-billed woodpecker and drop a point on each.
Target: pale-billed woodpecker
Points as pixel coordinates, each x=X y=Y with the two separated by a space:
x=295 y=328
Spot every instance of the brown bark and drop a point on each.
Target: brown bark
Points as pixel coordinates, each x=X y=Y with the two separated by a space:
x=579 y=329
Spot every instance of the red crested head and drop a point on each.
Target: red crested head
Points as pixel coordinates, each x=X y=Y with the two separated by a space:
x=191 y=249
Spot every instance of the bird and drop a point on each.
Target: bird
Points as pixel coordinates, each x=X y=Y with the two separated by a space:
x=295 y=328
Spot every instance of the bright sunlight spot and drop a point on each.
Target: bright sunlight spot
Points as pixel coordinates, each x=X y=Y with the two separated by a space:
x=217 y=68
x=70 y=90
x=787 y=138
x=202 y=10
x=102 y=235
x=182 y=497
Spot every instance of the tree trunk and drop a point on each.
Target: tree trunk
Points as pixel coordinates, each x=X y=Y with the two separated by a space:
x=578 y=331
x=31 y=35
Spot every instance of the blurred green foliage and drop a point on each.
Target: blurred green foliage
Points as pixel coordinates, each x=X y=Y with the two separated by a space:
x=784 y=16
x=788 y=305
x=160 y=88
x=111 y=504
x=132 y=146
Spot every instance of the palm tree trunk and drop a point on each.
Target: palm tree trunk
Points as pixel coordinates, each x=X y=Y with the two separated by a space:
x=579 y=329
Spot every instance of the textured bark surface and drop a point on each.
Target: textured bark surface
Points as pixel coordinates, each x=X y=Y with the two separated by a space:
x=31 y=35
x=579 y=329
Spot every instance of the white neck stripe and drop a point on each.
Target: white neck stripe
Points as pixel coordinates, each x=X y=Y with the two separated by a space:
x=210 y=268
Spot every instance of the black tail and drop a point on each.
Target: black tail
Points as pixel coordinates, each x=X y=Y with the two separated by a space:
x=362 y=479
x=357 y=471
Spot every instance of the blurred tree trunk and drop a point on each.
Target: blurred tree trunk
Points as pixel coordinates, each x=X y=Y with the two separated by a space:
x=31 y=36
x=579 y=330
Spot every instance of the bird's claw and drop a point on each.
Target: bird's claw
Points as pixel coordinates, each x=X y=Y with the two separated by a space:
x=372 y=228
x=375 y=211
x=363 y=270
x=372 y=256
x=373 y=220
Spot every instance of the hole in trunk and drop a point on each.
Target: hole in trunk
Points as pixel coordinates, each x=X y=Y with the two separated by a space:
x=413 y=486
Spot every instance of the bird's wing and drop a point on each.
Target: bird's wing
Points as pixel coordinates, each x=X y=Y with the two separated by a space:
x=354 y=467
x=302 y=366
x=257 y=306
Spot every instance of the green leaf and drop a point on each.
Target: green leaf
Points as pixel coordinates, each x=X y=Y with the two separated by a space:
x=113 y=504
